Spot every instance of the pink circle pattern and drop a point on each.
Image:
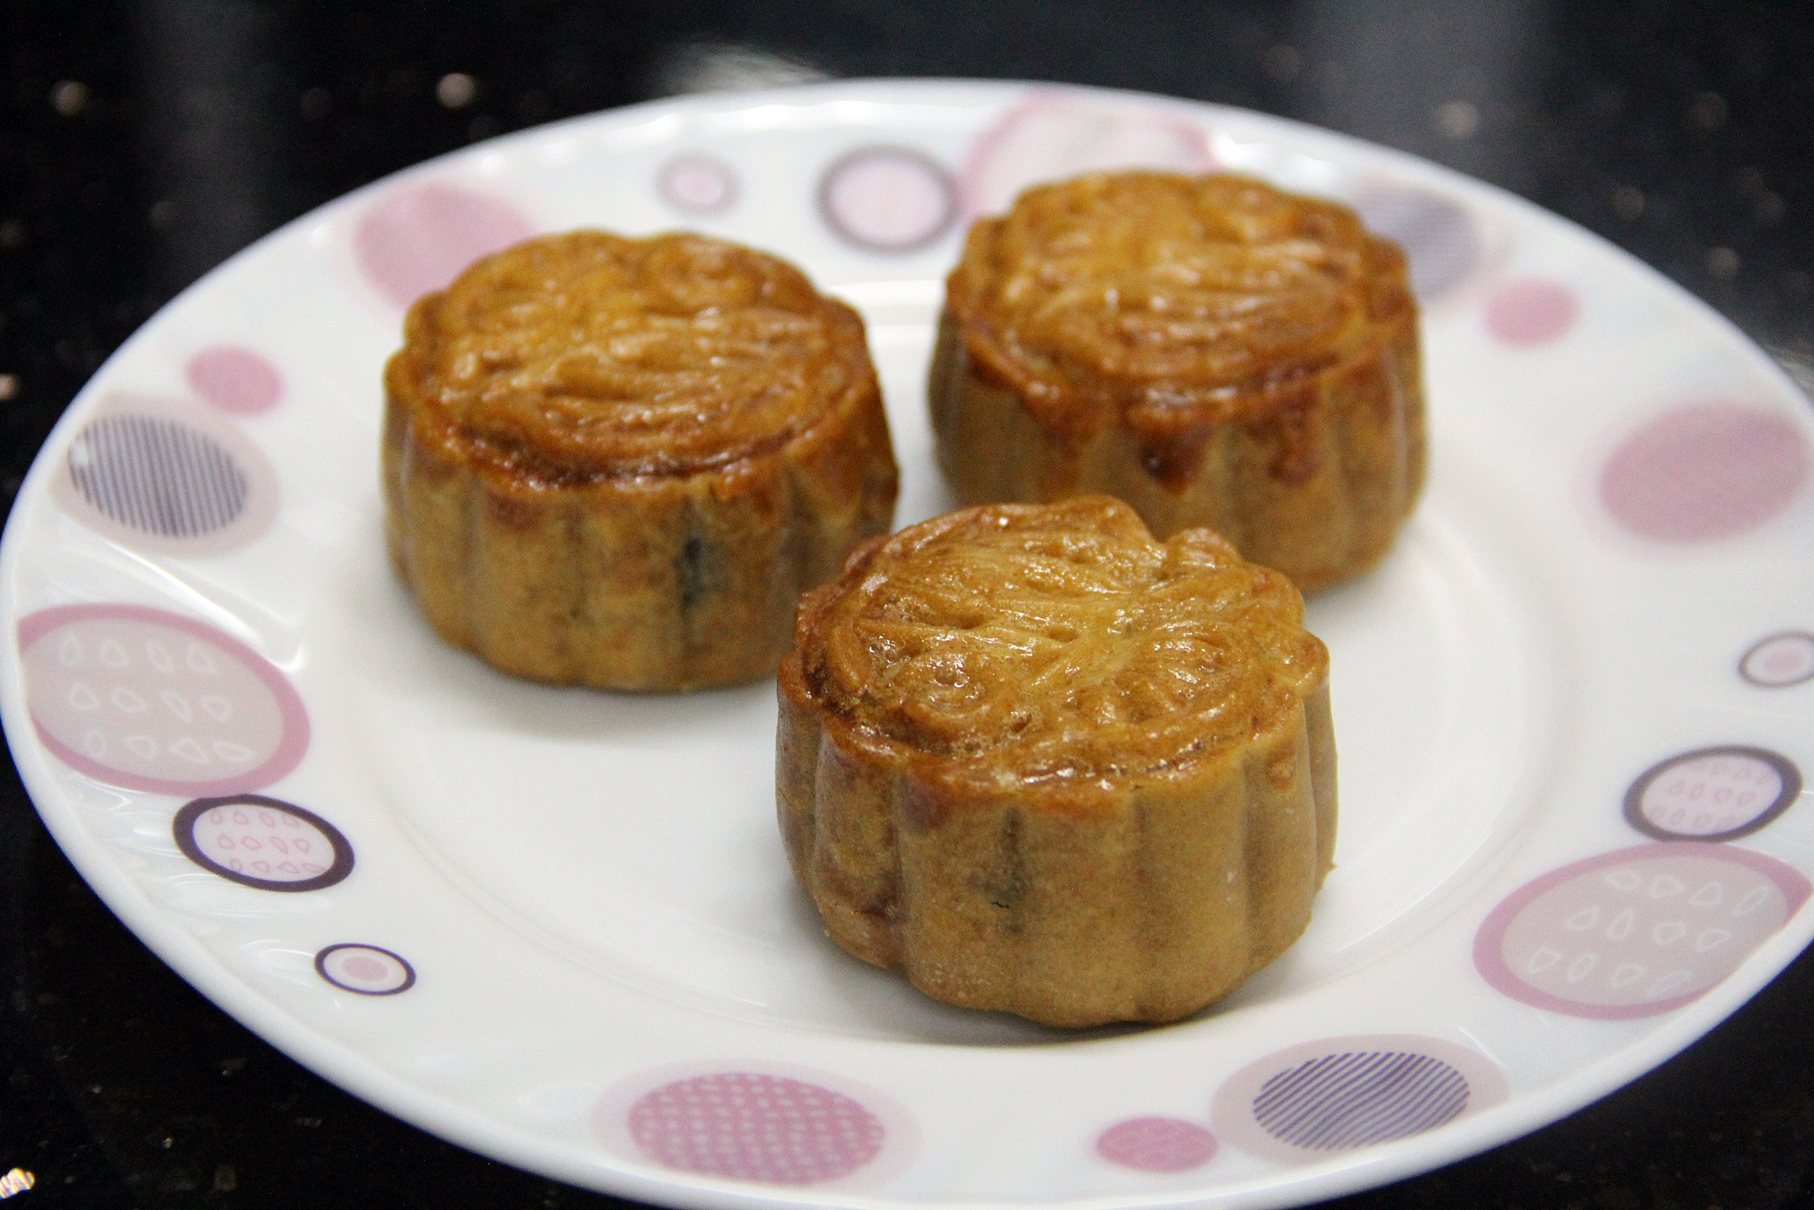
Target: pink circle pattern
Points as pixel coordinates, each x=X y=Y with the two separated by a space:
x=697 y=184
x=888 y=199
x=235 y=379
x=1157 y=1144
x=1054 y=135
x=366 y=970
x=1637 y=932
x=1531 y=311
x=1780 y=660
x=753 y=1127
x=1704 y=472
x=421 y=237
x=151 y=700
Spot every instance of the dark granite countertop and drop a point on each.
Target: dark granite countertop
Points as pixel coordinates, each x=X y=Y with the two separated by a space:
x=142 y=143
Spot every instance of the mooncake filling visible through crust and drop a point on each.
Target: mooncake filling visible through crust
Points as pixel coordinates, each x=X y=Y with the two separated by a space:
x=1210 y=349
x=1044 y=763
x=617 y=462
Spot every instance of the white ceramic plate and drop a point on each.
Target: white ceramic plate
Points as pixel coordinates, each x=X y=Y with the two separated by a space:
x=558 y=926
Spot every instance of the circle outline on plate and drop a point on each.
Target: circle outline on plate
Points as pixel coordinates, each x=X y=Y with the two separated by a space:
x=183 y=826
x=828 y=215
x=1489 y=938
x=291 y=748
x=321 y=968
x=1633 y=808
x=1744 y=660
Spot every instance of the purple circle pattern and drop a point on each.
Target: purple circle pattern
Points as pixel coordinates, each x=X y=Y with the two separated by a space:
x=1637 y=932
x=1712 y=794
x=1307 y=1102
x=888 y=199
x=753 y=1127
x=157 y=475
x=1779 y=661
x=1157 y=1145
x=151 y=700
x=1436 y=233
x=263 y=842
x=366 y=970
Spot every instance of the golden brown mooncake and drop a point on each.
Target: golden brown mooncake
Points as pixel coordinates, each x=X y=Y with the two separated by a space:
x=1043 y=763
x=617 y=462
x=1210 y=349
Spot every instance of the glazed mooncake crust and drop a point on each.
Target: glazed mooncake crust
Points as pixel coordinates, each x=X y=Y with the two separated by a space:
x=1212 y=350
x=618 y=462
x=1043 y=763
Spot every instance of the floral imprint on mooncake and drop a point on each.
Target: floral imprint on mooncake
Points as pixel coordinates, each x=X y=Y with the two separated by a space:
x=151 y=700
x=1636 y=932
x=263 y=842
x=1719 y=793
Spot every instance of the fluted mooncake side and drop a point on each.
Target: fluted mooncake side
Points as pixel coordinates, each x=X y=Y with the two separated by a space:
x=618 y=462
x=1042 y=763
x=1212 y=350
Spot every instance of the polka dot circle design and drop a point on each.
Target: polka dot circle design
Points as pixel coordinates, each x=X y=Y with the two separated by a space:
x=419 y=238
x=697 y=184
x=1704 y=472
x=753 y=1127
x=1435 y=231
x=1780 y=660
x=150 y=700
x=263 y=842
x=1157 y=1145
x=157 y=475
x=1053 y=136
x=1531 y=312
x=888 y=199
x=1637 y=932
x=1317 y=1099
x=1712 y=794
x=365 y=969
x=235 y=380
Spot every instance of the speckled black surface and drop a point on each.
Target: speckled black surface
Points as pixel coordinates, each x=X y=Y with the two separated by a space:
x=141 y=143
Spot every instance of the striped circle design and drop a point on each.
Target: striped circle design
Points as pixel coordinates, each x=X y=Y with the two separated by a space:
x=1309 y=1102
x=157 y=476
x=1354 y=1099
